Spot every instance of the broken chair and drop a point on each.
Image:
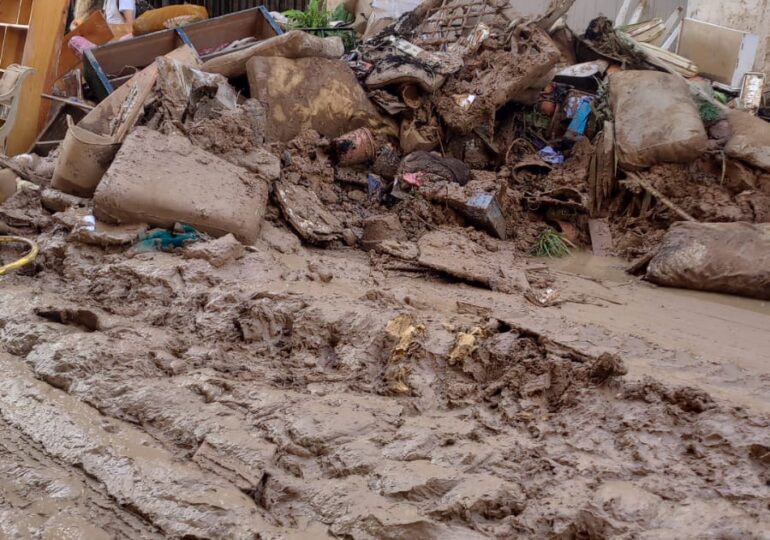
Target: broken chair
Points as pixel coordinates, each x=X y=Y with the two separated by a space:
x=11 y=84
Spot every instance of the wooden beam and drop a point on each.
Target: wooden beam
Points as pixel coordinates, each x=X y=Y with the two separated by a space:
x=95 y=29
x=41 y=51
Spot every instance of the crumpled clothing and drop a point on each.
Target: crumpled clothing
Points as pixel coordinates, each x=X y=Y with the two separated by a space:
x=551 y=156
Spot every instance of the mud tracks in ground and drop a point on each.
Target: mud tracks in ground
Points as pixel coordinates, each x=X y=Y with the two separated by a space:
x=232 y=408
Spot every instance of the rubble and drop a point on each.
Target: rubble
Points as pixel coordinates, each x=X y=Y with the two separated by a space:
x=302 y=208
x=218 y=252
x=313 y=275
x=382 y=228
x=85 y=229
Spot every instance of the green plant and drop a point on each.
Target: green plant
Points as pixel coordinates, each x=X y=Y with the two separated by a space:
x=317 y=16
x=341 y=14
x=549 y=243
x=709 y=112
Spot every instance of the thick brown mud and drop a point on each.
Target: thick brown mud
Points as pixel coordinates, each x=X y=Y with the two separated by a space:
x=296 y=393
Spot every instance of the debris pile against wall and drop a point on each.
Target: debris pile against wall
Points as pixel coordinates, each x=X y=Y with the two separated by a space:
x=287 y=285
x=454 y=114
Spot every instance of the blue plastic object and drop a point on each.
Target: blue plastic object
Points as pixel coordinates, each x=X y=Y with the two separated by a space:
x=165 y=240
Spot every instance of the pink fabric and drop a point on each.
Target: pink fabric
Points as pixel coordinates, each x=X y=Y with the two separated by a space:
x=415 y=179
x=80 y=45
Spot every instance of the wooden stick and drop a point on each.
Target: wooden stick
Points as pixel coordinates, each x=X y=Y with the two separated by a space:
x=556 y=10
x=662 y=198
x=72 y=102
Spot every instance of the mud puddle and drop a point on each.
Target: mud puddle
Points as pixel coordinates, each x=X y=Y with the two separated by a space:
x=612 y=270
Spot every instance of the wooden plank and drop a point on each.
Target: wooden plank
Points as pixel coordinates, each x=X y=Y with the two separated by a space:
x=41 y=51
x=67 y=101
x=601 y=237
x=636 y=16
x=95 y=29
x=15 y=26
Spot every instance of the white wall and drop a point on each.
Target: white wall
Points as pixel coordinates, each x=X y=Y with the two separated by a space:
x=585 y=10
x=747 y=15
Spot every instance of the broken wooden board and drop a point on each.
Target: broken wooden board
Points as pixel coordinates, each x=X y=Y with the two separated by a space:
x=601 y=237
x=452 y=252
x=601 y=176
x=307 y=214
x=95 y=29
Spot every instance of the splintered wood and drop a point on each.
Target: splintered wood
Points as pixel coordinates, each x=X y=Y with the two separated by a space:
x=601 y=175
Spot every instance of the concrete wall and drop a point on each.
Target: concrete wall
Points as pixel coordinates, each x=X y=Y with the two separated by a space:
x=585 y=10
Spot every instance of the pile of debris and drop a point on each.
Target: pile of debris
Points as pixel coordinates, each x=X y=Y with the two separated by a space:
x=449 y=142
x=277 y=287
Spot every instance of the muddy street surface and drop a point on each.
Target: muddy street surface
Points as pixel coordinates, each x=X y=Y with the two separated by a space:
x=299 y=393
